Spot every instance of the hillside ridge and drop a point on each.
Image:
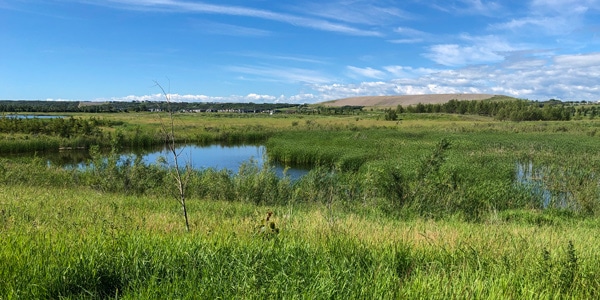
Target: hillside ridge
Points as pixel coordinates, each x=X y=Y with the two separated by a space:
x=404 y=100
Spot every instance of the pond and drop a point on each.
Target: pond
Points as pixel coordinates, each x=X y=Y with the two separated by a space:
x=535 y=180
x=229 y=157
x=221 y=157
x=16 y=116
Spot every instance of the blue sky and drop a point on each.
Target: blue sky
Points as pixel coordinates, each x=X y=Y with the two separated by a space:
x=297 y=51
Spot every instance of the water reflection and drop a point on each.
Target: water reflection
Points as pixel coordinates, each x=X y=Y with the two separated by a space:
x=534 y=180
x=221 y=157
x=229 y=157
x=15 y=116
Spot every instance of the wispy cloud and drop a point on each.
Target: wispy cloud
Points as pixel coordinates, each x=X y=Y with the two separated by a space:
x=411 y=36
x=365 y=72
x=458 y=55
x=472 y=50
x=481 y=7
x=408 y=72
x=282 y=74
x=281 y=57
x=388 y=72
x=355 y=11
x=468 y=7
x=206 y=8
x=553 y=17
x=229 y=29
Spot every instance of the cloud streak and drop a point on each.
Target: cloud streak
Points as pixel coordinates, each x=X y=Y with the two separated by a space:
x=556 y=17
x=355 y=12
x=205 y=8
x=282 y=74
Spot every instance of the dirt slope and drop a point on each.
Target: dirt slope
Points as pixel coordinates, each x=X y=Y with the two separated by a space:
x=404 y=100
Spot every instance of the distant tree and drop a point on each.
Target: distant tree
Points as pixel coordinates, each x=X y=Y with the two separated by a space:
x=391 y=115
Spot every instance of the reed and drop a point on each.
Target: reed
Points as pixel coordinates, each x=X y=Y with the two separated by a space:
x=429 y=206
x=76 y=243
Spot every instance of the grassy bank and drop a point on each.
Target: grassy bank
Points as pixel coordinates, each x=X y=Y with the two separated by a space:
x=65 y=243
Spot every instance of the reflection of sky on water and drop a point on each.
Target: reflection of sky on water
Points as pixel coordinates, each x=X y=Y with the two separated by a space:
x=32 y=116
x=201 y=157
x=533 y=179
x=220 y=157
x=215 y=156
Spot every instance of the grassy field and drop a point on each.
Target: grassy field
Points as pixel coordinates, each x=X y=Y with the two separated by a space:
x=65 y=243
x=430 y=206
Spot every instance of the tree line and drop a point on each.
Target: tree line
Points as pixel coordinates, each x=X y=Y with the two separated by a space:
x=27 y=106
x=513 y=110
x=62 y=127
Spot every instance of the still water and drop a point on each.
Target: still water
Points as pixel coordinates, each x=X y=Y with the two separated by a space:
x=31 y=116
x=219 y=157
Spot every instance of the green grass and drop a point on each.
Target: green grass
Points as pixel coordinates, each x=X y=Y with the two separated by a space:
x=426 y=207
x=83 y=244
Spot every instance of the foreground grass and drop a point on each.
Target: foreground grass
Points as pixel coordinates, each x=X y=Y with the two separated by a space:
x=78 y=243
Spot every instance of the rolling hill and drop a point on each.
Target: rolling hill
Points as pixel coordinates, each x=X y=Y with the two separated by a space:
x=404 y=100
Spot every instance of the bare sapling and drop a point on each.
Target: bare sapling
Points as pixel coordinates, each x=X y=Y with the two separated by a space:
x=180 y=176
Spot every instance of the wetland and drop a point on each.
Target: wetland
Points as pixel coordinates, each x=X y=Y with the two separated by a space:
x=430 y=205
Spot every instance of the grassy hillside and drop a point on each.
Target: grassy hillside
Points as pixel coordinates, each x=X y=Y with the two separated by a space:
x=405 y=100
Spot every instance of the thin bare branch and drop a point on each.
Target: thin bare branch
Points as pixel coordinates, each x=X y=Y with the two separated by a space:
x=181 y=180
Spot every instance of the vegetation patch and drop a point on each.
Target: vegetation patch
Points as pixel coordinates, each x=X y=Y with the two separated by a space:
x=430 y=205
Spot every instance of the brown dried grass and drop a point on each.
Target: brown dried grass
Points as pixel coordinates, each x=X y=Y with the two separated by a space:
x=404 y=100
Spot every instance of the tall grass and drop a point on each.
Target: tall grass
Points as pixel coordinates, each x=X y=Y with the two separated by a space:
x=418 y=172
x=381 y=215
x=76 y=243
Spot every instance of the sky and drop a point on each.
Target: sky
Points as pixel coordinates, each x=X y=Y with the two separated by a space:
x=306 y=51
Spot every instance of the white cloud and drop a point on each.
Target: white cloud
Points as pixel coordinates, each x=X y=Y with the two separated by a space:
x=408 y=72
x=468 y=7
x=406 y=31
x=274 y=56
x=252 y=97
x=59 y=99
x=457 y=55
x=410 y=36
x=231 y=30
x=524 y=65
x=366 y=72
x=479 y=7
x=256 y=97
x=353 y=11
x=205 y=8
x=578 y=61
x=567 y=77
x=161 y=97
x=195 y=98
x=281 y=74
x=551 y=17
x=406 y=41
x=474 y=50
x=302 y=98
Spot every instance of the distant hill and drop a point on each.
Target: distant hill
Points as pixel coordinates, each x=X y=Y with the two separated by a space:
x=404 y=100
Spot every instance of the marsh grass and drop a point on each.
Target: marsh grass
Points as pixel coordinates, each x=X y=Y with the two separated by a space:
x=65 y=243
x=389 y=211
